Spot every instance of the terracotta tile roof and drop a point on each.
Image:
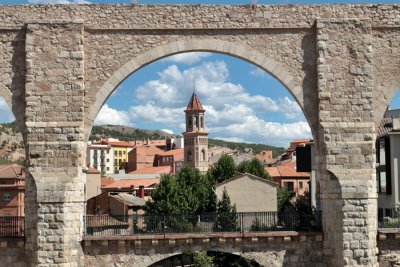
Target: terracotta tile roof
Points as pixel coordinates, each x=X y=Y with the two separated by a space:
x=286 y=171
x=150 y=170
x=295 y=143
x=128 y=183
x=106 y=181
x=12 y=171
x=113 y=143
x=92 y=170
x=147 y=150
x=194 y=104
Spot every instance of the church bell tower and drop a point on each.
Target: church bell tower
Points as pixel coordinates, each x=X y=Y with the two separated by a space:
x=195 y=136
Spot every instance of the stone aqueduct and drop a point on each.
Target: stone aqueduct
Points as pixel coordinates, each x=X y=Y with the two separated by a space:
x=60 y=63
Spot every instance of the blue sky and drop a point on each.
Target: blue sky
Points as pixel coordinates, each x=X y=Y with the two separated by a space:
x=154 y=97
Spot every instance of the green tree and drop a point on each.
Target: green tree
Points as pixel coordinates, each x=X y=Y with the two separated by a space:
x=201 y=259
x=283 y=198
x=254 y=167
x=186 y=193
x=167 y=198
x=197 y=189
x=223 y=170
x=226 y=214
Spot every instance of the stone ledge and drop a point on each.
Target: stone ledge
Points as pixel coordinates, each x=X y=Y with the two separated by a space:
x=171 y=239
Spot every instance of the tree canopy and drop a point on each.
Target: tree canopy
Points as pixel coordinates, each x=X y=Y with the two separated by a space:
x=254 y=167
x=186 y=193
x=223 y=170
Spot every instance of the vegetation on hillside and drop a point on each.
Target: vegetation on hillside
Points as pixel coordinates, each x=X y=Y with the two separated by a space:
x=126 y=133
x=256 y=148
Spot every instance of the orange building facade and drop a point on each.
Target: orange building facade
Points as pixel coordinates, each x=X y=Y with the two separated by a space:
x=12 y=190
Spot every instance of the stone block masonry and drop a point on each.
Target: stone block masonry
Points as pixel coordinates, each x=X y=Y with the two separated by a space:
x=61 y=62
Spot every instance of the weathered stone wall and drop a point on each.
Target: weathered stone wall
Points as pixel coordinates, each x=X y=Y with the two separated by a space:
x=389 y=247
x=347 y=178
x=61 y=62
x=273 y=249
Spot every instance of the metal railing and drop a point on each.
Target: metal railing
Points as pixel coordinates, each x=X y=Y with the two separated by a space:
x=389 y=218
x=12 y=226
x=106 y=225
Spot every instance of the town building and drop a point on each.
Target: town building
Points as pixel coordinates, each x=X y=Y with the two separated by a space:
x=250 y=193
x=195 y=136
x=388 y=165
x=141 y=157
x=290 y=179
x=93 y=183
x=12 y=190
x=108 y=155
x=265 y=157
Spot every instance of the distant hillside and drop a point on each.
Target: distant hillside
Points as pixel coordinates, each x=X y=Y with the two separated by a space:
x=256 y=148
x=10 y=137
x=126 y=133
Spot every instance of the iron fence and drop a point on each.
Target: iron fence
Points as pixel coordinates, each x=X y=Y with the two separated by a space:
x=12 y=226
x=106 y=225
x=389 y=218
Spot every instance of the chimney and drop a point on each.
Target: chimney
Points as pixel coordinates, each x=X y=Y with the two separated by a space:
x=141 y=191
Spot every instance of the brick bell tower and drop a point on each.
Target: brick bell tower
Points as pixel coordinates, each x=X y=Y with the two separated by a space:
x=195 y=136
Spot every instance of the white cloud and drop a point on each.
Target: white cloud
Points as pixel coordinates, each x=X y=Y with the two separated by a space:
x=257 y=72
x=187 y=58
x=109 y=115
x=232 y=113
x=53 y=2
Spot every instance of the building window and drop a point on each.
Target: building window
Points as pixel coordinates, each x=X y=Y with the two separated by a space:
x=202 y=122
x=108 y=160
x=108 y=151
x=300 y=185
x=383 y=169
x=289 y=186
x=115 y=162
x=116 y=153
x=120 y=153
x=6 y=197
x=108 y=168
x=189 y=155
x=203 y=155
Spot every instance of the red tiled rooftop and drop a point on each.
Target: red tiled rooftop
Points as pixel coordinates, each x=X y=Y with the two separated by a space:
x=11 y=171
x=297 y=142
x=106 y=181
x=194 y=104
x=92 y=170
x=151 y=170
x=285 y=171
x=129 y=183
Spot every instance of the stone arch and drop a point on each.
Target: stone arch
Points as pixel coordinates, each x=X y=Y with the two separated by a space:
x=255 y=257
x=241 y=51
x=384 y=96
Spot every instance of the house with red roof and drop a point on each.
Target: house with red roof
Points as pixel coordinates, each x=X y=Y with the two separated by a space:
x=12 y=190
x=290 y=179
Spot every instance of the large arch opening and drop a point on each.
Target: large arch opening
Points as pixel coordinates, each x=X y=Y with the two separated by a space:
x=387 y=164
x=164 y=98
x=13 y=176
x=202 y=258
